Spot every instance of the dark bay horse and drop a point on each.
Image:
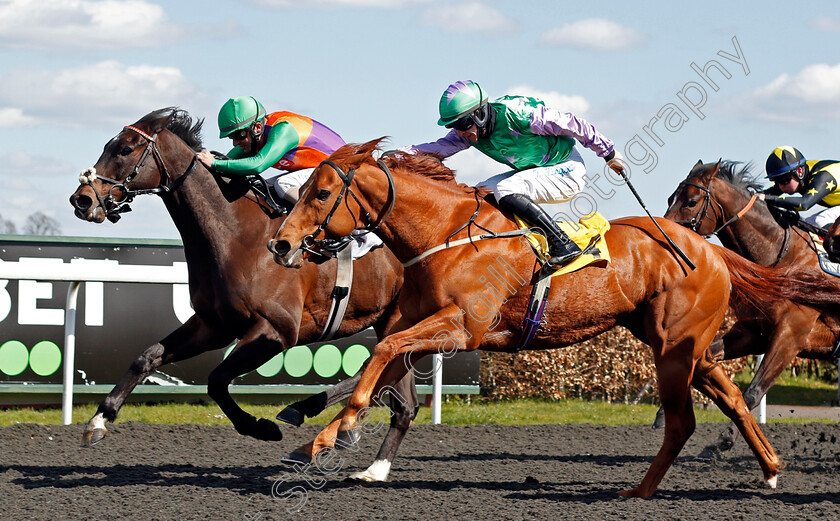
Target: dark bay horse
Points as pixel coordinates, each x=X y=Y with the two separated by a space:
x=237 y=290
x=832 y=242
x=717 y=198
x=469 y=297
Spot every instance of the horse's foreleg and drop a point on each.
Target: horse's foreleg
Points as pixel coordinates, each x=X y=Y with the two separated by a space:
x=259 y=345
x=710 y=379
x=675 y=396
x=189 y=340
x=314 y=405
x=411 y=344
x=404 y=405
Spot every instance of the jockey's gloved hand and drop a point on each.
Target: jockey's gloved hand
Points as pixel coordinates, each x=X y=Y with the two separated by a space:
x=615 y=161
x=784 y=216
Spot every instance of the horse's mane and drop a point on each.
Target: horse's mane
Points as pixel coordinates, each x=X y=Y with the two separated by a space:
x=736 y=173
x=425 y=165
x=179 y=123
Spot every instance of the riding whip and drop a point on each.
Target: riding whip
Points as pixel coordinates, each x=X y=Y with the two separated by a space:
x=673 y=245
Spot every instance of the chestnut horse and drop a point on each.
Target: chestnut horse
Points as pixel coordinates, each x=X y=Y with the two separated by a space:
x=468 y=297
x=237 y=290
x=717 y=198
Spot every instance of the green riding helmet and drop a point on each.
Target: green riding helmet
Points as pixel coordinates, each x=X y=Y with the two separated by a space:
x=461 y=98
x=782 y=160
x=239 y=113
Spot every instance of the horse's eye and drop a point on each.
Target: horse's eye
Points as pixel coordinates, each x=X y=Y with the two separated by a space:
x=692 y=203
x=125 y=151
x=323 y=195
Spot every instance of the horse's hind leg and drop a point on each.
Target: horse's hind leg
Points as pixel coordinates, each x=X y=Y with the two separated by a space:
x=189 y=340
x=778 y=354
x=314 y=405
x=404 y=405
x=259 y=345
x=710 y=379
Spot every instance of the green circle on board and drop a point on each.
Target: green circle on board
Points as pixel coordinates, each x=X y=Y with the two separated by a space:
x=353 y=359
x=327 y=361
x=272 y=367
x=45 y=358
x=13 y=358
x=298 y=361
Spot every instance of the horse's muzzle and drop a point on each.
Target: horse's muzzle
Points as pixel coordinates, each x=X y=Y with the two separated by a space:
x=284 y=255
x=86 y=209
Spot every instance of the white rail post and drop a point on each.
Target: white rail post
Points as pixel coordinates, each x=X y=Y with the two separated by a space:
x=437 y=387
x=69 y=352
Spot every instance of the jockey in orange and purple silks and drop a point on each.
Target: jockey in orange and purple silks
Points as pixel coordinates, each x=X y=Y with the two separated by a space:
x=283 y=140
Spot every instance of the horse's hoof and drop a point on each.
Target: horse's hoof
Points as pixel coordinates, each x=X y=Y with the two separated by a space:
x=291 y=416
x=636 y=492
x=267 y=430
x=659 y=422
x=297 y=458
x=709 y=454
x=93 y=436
x=772 y=482
x=377 y=472
x=347 y=438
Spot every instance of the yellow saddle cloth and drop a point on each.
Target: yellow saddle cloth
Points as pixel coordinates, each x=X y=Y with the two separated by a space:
x=582 y=232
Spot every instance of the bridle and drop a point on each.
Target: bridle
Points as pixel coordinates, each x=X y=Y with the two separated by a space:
x=330 y=247
x=113 y=206
x=694 y=223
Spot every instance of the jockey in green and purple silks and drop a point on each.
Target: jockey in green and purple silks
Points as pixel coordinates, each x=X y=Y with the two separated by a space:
x=283 y=140
x=536 y=141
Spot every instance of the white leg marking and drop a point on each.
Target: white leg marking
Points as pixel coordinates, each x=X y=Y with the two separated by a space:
x=97 y=422
x=378 y=471
x=773 y=481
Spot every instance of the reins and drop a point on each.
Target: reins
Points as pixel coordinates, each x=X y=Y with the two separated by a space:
x=332 y=246
x=694 y=223
x=468 y=240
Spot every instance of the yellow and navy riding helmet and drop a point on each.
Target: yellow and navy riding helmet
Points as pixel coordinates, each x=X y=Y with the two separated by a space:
x=782 y=160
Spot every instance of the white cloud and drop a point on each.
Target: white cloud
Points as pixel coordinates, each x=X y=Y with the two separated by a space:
x=472 y=167
x=594 y=34
x=62 y=24
x=469 y=17
x=818 y=83
x=14 y=117
x=562 y=102
x=107 y=92
x=826 y=24
x=388 y=4
x=812 y=94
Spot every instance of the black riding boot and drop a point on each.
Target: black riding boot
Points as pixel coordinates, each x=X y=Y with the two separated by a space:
x=561 y=249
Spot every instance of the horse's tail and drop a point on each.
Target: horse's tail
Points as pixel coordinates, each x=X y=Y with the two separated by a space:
x=756 y=285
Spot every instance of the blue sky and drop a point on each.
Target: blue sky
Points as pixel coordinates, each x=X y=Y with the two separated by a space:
x=73 y=72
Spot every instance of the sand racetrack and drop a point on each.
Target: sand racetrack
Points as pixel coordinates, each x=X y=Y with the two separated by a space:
x=486 y=472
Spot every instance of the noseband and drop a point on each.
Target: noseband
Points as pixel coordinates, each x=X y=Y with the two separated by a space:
x=330 y=247
x=113 y=206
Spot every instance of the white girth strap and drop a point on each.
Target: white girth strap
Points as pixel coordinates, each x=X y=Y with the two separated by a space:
x=340 y=293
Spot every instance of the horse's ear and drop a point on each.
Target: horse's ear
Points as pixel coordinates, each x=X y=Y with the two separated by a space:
x=699 y=162
x=714 y=171
x=164 y=122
